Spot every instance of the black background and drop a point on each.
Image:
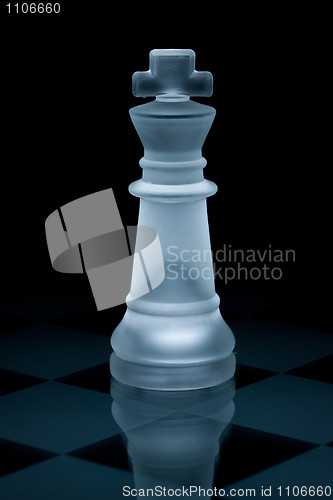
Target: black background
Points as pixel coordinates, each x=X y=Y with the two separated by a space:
x=66 y=91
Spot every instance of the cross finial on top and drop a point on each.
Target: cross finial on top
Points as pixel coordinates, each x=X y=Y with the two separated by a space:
x=172 y=71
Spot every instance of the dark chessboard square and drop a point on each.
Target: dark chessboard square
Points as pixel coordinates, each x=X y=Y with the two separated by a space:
x=317 y=370
x=10 y=322
x=17 y=456
x=245 y=452
x=92 y=320
x=13 y=381
x=111 y=452
x=96 y=378
x=309 y=311
x=48 y=351
x=246 y=375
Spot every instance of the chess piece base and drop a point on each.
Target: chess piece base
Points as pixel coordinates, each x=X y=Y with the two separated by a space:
x=172 y=352
x=173 y=377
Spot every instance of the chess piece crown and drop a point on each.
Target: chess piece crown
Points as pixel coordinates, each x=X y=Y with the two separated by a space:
x=172 y=72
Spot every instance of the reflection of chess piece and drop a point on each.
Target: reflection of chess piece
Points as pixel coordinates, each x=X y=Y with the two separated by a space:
x=173 y=437
x=177 y=327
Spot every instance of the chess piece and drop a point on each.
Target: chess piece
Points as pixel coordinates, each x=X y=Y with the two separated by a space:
x=174 y=438
x=174 y=338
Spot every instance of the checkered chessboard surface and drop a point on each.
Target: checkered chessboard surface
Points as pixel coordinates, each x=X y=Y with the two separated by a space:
x=62 y=437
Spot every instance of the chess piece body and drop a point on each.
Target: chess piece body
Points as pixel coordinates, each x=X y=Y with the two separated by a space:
x=174 y=337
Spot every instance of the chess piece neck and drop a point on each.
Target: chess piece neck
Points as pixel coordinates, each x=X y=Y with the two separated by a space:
x=172 y=130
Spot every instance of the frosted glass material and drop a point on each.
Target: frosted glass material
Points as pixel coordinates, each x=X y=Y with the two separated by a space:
x=171 y=72
x=177 y=327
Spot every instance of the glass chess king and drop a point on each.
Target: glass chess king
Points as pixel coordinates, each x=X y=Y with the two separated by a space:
x=174 y=337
